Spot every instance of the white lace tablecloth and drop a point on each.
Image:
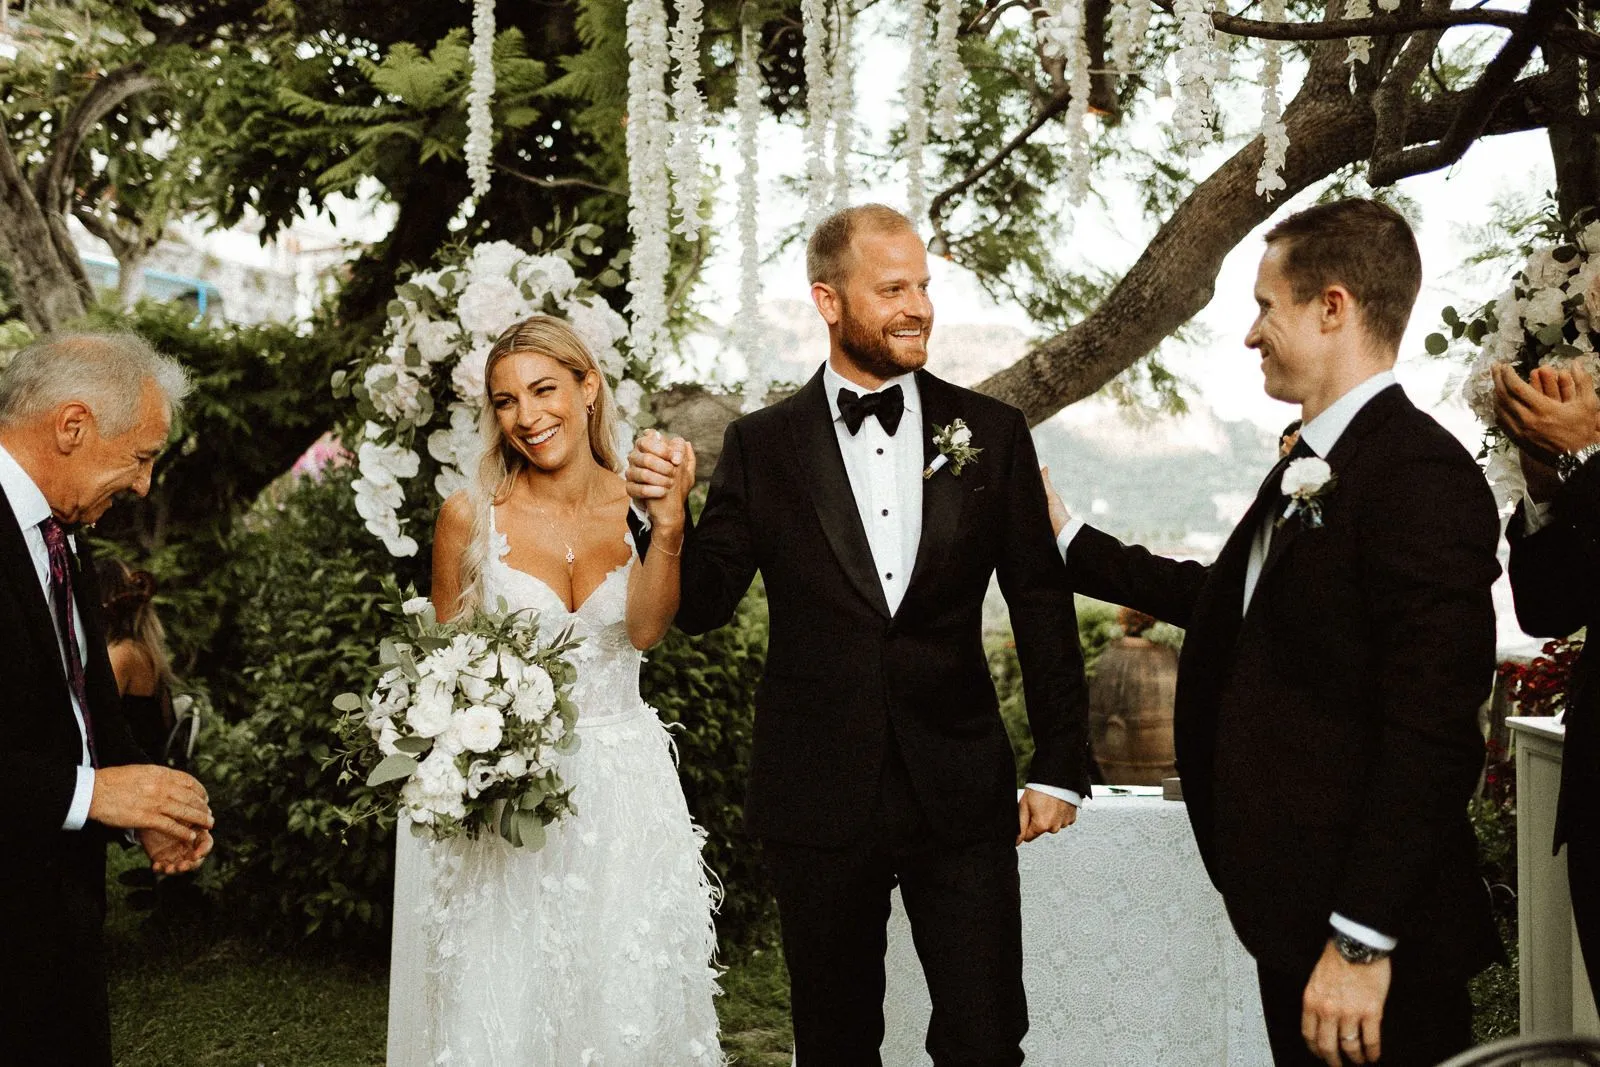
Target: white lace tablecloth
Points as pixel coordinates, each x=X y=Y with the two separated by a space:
x=1128 y=957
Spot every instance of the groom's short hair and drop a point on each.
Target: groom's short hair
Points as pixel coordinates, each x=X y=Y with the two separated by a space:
x=828 y=251
x=1366 y=247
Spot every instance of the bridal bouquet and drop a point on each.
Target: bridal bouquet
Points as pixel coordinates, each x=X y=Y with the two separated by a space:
x=1548 y=316
x=469 y=720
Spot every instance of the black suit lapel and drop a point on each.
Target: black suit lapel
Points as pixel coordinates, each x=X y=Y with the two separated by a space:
x=817 y=445
x=942 y=496
x=1377 y=411
x=16 y=563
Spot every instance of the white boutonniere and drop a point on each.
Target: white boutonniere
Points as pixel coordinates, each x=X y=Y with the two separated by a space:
x=1307 y=483
x=955 y=448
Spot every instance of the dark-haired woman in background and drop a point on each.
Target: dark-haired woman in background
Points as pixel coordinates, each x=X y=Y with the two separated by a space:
x=138 y=648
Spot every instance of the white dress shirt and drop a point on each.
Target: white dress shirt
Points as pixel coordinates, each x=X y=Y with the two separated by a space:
x=885 y=475
x=31 y=508
x=1320 y=435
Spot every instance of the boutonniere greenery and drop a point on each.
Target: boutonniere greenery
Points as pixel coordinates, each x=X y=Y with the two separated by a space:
x=955 y=448
x=1306 y=483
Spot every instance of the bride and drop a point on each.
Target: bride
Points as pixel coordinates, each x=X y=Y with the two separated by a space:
x=597 y=948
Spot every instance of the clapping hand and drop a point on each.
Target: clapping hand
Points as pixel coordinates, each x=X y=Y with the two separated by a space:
x=660 y=474
x=1555 y=411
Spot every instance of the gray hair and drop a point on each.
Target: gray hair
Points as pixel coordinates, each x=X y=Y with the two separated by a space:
x=106 y=371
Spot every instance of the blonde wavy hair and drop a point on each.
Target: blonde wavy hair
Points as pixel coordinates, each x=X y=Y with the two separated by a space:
x=501 y=464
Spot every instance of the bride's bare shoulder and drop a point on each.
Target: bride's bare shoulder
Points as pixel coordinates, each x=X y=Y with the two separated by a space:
x=455 y=514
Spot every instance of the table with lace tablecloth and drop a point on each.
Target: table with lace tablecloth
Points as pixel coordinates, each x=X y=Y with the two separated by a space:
x=1128 y=957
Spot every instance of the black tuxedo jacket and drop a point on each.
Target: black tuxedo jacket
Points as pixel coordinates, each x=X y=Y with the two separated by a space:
x=842 y=674
x=53 y=893
x=1555 y=578
x=1328 y=739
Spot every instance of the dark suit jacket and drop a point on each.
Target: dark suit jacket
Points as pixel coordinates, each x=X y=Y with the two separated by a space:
x=1328 y=740
x=841 y=673
x=1555 y=578
x=53 y=892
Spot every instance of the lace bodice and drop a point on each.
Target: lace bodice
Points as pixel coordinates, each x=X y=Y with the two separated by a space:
x=608 y=664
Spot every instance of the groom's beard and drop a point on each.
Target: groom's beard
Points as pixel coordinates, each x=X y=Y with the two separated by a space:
x=872 y=350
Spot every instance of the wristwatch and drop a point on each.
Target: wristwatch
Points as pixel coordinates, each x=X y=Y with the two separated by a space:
x=1353 y=951
x=1569 y=463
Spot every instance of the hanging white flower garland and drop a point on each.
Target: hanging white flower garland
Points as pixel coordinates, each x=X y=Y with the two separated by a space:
x=748 y=334
x=480 y=95
x=1078 y=109
x=947 y=70
x=1274 y=134
x=1197 y=64
x=844 y=99
x=648 y=186
x=689 y=118
x=819 y=94
x=1129 y=25
x=916 y=106
x=1360 y=47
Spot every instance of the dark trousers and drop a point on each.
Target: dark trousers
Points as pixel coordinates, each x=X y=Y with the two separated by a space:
x=1426 y=1020
x=1583 y=880
x=964 y=904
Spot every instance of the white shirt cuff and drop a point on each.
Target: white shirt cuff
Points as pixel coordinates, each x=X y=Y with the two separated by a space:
x=1364 y=934
x=1068 y=532
x=78 y=813
x=1069 y=795
x=1535 y=516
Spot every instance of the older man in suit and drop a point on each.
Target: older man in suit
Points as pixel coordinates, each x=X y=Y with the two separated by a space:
x=1555 y=578
x=1337 y=652
x=82 y=418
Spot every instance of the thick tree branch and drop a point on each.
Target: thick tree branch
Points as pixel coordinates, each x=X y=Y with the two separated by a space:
x=1570 y=38
x=53 y=185
x=1389 y=102
x=1477 y=104
x=940 y=202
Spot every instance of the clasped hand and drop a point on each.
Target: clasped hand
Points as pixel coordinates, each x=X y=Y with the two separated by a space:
x=169 y=809
x=660 y=476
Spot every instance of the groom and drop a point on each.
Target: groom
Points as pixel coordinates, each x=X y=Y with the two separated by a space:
x=880 y=758
x=1337 y=652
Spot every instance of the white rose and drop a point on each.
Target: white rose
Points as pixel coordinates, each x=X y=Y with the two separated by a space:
x=1544 y=309
x=436 y=788
x=1478 y=388
x=1544 y=271
x=548 y=274
x=395 y=391
x=512 y=765
x=495 y=259
x=387 y=736
x=478 y=728
x=536 y=695
x=467 y=376
x=431 y=707
x=961 y=436
x=489 y=305
x=474 y=688
x=480 y=776
x=510 y=667
x=436 y=341
x=416 y=605
x=1305 y=476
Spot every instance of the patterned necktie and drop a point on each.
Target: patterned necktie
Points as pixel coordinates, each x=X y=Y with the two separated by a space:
x=887 y=405
x=55 y=543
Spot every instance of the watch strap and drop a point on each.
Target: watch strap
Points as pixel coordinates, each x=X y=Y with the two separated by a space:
x=1353 y=951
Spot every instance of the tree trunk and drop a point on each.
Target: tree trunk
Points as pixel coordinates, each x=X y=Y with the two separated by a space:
x=130 y=276
x=52 y=289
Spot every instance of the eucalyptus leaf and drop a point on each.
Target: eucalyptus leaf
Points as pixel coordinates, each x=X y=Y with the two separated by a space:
x=530 y=830
x=347 y=702
x=394 y=768
x=1436 y=344
x=414 y=746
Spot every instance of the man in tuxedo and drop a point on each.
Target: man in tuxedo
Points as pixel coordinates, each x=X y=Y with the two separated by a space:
x=880 y=757
x=1337 y=652
x=1555 y=579
x=82 y=418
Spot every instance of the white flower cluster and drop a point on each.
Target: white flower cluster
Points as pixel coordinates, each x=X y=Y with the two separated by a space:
x=648 y=186
x=819 y=110
x=843 y=100
x=748 y=332
x=480 y=120
x=689 y=118
x=1078 y=165
x=948 y=73
x=442 y=325
x=1551 y=313
x=471 y=719
x=1360 y=47
x=916 y=105
x=1197 y=67
x=1130 y=22
x=1274 y=134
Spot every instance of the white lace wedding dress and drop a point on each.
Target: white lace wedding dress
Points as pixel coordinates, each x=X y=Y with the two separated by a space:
x=596 y=949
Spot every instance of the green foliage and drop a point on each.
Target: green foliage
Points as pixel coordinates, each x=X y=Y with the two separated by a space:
x=708 y=684
x=301 y=594
x=1097 y=628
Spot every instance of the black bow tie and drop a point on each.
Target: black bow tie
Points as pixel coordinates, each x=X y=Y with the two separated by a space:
x=888 y=405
